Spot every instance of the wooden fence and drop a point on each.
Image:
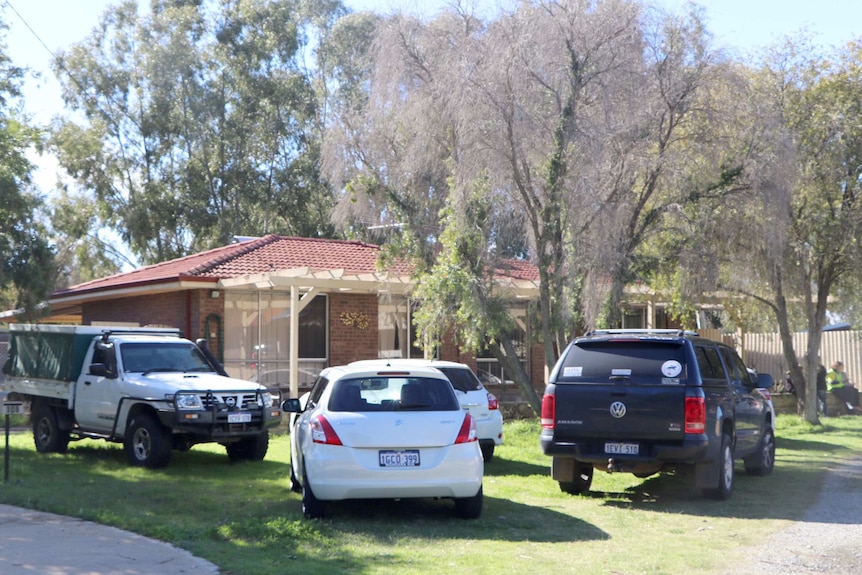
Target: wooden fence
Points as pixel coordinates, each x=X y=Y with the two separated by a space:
x=763 y=352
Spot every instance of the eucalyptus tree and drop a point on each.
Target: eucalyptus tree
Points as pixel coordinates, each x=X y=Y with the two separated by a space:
x=197 y=121
x=815 y=155
x=26 y=258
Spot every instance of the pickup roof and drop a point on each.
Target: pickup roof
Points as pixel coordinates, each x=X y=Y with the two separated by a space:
x=642 y=401
x=149 y=389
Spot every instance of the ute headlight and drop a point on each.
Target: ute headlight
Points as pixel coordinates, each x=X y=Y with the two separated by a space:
x=266 y=398
x=188 y=401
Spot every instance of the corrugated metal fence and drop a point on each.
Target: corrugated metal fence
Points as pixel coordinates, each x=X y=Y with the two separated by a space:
x=763 y=352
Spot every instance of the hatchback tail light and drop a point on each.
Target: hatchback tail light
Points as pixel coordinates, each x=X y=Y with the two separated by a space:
x=549 y=411
x=492 y=402
x=695 y=415
x=322 y=431
x=467 y=433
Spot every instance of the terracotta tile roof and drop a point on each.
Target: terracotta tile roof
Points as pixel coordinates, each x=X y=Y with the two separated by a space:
x=518 y=270
x=260 y=255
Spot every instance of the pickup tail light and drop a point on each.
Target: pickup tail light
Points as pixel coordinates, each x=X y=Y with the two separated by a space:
x=695 y=415
x=492 y=402
x=468 y=432
x=322 y=431
x=549 y=411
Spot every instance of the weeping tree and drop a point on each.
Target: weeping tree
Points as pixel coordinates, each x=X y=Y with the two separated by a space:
x=198 y=121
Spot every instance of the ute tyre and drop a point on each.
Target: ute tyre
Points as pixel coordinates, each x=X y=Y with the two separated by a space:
x=147 y=442
x=47 y=435
x=251 y=449
x=487 y=451
x=762 y=461
x=469 y=507
x=725 y=472
x=312 y=507
x=582 y=481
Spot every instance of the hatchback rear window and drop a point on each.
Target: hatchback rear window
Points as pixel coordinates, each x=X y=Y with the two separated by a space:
x=386 y=393
x=462 y=379
x=634 y=362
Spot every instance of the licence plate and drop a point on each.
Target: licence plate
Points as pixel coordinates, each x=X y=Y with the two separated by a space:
x=391 y=458
x=622 y=448
x=238 y=417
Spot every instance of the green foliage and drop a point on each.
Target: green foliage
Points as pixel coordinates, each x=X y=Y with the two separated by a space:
x=458 y=293
x=26 y=258
x=201 y=122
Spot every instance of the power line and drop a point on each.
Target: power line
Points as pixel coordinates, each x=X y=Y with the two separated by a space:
x=30 y=28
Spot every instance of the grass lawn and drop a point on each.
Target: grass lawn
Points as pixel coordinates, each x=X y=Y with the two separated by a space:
x=244 y=518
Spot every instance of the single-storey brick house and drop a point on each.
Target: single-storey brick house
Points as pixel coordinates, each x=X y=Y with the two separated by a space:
x=263 y=301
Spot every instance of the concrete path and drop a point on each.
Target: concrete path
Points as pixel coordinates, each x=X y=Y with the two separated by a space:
x=36 y=543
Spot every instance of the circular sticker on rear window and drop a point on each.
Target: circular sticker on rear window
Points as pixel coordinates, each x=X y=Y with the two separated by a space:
x=671 y=368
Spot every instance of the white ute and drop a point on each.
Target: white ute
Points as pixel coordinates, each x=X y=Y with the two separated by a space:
x=147 y=388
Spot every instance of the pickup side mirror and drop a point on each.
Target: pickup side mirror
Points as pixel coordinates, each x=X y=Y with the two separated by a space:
x=292 y=406
x=101 y=370
x=765 y=380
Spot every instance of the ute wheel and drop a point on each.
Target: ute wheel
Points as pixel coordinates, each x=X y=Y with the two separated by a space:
x=312 y=507
x=469 y=507
x=47 y=435
x=147 y=442
x=725 y=472
x=762 y=461
x=487 y=451
x=252 y=449
x=582 y=481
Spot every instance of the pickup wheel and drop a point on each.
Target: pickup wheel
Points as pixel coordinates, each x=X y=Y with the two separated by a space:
x=725 y=471
x=252 y=449
x=47 y=435
x=581 y=483
x=762 y=461
x=147 y=442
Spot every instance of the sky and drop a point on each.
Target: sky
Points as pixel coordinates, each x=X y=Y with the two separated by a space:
x=38 y=28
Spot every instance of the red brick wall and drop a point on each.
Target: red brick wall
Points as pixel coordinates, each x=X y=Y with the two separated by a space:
x=186 y=310
x=352 y=327
x=166 y=309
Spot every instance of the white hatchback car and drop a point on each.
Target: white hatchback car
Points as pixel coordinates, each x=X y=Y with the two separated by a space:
x=472 y=396
x=370 y=433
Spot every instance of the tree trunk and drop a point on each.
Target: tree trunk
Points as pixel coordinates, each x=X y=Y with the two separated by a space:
x=508 y=358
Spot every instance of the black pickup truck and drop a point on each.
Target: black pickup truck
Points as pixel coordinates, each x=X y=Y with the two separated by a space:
x=644 y=401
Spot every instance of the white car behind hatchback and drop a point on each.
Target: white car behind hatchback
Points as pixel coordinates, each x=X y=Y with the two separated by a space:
x=472 y=396
x=391 y=433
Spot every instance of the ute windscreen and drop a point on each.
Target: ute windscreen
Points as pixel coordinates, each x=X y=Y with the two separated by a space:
x=634 y=362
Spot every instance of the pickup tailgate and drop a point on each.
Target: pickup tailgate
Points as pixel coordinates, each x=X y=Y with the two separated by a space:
x=622 y=390
x=619 y=412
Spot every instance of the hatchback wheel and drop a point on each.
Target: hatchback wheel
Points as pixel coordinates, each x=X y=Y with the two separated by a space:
x=312 y=507
x=469 y=507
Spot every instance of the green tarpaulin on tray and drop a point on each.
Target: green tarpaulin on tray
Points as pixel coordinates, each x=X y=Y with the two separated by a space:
x=51 y=352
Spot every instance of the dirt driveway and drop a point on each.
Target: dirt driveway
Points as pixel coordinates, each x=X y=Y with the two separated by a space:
x=828 y=538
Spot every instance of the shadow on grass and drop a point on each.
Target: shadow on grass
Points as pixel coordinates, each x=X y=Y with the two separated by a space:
x=498 y=467
x=501 y=520
x=783 y=495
